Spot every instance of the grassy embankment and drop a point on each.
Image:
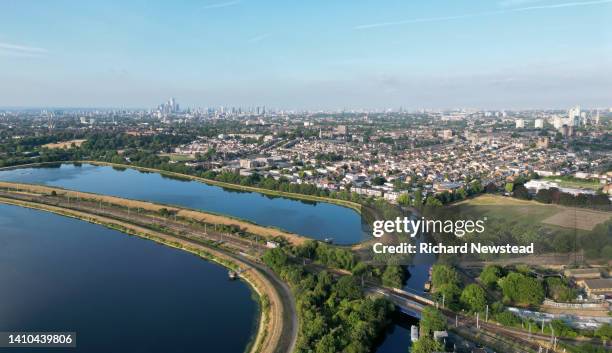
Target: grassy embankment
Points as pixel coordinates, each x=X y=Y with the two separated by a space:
x=205 y=217
x=271 y=319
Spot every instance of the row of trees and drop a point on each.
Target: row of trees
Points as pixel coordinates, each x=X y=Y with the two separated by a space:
x=416 y=198
x=556 y=196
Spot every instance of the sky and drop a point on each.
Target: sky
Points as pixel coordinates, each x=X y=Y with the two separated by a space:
x=316 y=54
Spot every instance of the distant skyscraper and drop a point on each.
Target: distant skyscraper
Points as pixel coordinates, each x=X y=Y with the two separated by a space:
x=539 y=123
x=169 y=107
x=573 y=116
x=520 y=123
x=557 y=122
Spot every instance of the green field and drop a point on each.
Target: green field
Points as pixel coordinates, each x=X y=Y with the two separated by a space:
x=178 y=157
x=552 y=228
x=534 y=213
x=570 y=182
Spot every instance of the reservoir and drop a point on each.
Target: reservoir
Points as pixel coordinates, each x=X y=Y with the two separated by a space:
x=318 y=220
x=118 y=293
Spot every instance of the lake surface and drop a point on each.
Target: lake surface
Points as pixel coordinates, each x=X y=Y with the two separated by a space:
x=318 y=220
x=119 y=293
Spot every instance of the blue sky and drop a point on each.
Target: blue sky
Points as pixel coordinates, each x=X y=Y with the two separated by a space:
x=307 y=54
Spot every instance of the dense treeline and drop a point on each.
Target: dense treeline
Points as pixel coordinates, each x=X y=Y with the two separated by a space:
x=556 y=196
x=334 y=314
x=330 y=256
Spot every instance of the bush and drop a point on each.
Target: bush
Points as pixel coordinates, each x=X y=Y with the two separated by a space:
x=507 y=318
x=473 y=298
x=490 y=275
x=521 y=289
x=432 y=320
x=393 y=276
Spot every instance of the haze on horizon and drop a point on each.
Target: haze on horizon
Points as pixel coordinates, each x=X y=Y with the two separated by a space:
x=501 y=54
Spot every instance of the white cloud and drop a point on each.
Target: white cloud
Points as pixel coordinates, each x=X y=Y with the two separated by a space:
x=483 y=14
x=16 y=50
x=512 y=3
x=258 y=38
x=220 y=5
x=21 y=48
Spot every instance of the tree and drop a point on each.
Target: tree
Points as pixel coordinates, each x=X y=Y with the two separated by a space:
x=460 y=194
x=521 y=289
x=426 y=344
x=403 y=199
x=490 y=275
x=327 y=344
x=445 y=281
x=361 y=270
x=604 y=331
x=393 y=276
x=473 y=298
x=521 y=192
x=509 y=187
x=559 y=290
x=544 y=196
x=432 y=201
x=443 y=274
x=475 y=187
x=432 y=320
x=378 y=180
x=418 y=198
x=348 y=287
x=491 y=188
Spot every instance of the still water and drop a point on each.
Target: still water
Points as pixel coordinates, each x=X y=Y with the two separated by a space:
x=119 y=293
x=318 y=220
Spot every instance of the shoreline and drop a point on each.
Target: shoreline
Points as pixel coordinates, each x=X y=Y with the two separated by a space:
x=294 y=196
x=268 y=297
x=348 y=204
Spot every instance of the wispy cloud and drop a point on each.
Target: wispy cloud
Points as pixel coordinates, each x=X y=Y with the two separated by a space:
x=482 y=14
x=512 y=3
x=259 y=38
x=220 y=5
x=16 y=50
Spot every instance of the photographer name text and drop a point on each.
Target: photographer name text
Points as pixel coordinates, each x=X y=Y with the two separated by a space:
x=439 y=248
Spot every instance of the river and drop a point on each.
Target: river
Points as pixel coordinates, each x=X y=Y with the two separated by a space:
x=318 y=220
x=119 y=293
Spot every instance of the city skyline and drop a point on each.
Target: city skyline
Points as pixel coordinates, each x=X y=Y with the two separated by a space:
x=508 y=54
